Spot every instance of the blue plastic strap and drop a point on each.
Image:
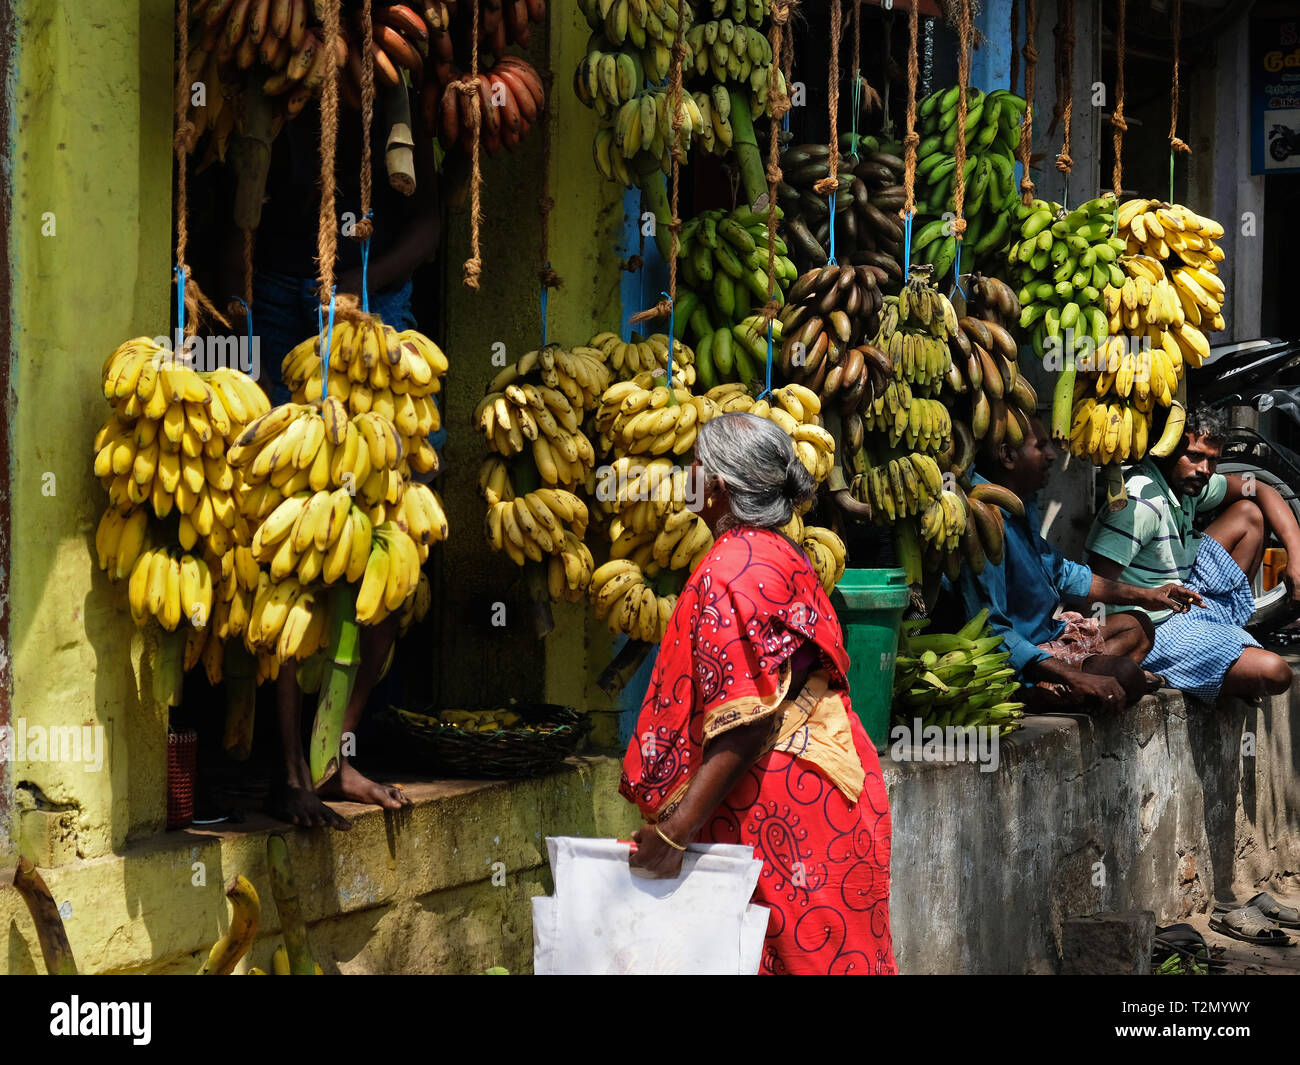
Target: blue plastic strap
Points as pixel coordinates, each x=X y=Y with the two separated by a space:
x=545 y=298
x=672 y=343
x=956 y=274
x=907 y=245
x=325 y=345
x=767 y=390
x=830 y=259
x=179 y=273
x=857 y=103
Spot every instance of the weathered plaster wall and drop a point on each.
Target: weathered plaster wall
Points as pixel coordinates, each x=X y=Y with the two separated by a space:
x=89 y=251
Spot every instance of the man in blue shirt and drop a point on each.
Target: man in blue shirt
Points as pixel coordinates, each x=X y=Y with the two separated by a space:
x=1068 y=656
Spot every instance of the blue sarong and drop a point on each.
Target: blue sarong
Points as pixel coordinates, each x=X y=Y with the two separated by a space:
x=1194 y=651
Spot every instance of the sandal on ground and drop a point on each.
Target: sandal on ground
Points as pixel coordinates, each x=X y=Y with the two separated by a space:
x=1250 y=926
x=1286 y=916
x=1187 y=942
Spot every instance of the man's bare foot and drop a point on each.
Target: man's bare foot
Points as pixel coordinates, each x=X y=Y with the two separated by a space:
x=301 y=806
x=351 y=786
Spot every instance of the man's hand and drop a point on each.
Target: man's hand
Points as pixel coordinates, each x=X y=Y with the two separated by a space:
x=1291 y=576
x=1095 y=687
x=654 y=855
x=1176 y=597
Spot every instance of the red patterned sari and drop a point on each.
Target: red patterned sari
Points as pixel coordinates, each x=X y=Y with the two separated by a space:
x=813 y=807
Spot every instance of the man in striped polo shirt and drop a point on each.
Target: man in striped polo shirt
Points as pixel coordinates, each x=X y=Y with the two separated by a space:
x=1153 y=540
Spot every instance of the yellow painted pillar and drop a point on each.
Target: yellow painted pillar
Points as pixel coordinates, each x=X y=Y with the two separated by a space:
x=90 y=255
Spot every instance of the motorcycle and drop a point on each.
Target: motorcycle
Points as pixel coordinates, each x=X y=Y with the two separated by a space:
x=1251 y=373
x=1283 y=142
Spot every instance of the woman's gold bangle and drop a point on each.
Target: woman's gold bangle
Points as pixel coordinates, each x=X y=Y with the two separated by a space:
x=675 y=846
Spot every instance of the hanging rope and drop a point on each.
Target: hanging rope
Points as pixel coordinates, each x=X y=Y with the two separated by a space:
x=1015 y=54
x=910 y=140
x=1065 y=83
x=1027 y=127
x=965 y=30
x=665 y=305
x=365 y=226
x=1117 y=113
x=327 y=229
x=830 y=184
x=473 y=267
x=857 y=74
x=1176 y=143
x=779 y=104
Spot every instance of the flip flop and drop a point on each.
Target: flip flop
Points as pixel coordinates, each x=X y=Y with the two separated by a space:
x=1250 y=926
x=1286 y=916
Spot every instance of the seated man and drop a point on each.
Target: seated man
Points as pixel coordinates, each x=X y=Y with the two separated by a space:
x=1070 y=658
x=1152 y=540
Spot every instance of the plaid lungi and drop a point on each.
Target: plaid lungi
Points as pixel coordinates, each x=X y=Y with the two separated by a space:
x=1193 y=651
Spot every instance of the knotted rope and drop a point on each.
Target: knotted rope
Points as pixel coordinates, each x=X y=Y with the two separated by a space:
x=963 y=81
x=830 y=184
x=778 y=103
x=1065 y=82
x=469 y=87
x=1117 y=113
x=1027 y=127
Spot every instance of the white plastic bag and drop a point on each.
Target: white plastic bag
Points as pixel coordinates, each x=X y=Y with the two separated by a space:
x=606 y=918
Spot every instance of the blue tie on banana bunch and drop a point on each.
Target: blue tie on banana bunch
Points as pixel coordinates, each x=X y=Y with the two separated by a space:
x=992 y=134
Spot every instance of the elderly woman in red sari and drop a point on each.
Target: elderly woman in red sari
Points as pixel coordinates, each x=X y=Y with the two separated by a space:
x=747 y=734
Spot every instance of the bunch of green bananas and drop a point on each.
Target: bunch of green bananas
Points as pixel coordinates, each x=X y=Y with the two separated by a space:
x=992 y=133
x=730 y=52
x=718 y=135
x=753 y=12
x=1063 y=262
x=643 y=127
x=958 y=679
x=867 y=227
x=609 y=76
x=642 y=22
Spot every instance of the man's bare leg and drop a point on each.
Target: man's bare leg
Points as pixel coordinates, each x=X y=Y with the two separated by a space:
x=1257 y=672
x=300 y=803
x=347 y=783
x=1241 y=531
x=1127 y=635
x=1130 y=675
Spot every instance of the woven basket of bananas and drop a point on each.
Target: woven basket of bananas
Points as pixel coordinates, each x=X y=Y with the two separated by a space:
x=519 y=740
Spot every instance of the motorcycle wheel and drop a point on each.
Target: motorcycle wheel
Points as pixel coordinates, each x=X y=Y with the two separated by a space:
x=1273 y=608
x=1279 y=151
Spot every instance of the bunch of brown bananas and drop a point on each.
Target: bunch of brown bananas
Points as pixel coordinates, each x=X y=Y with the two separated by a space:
x=374 y=368
x=867 y=226
x=984 y=371
x=829 y=311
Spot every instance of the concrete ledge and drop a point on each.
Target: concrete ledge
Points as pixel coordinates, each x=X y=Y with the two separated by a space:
x=1159 y=808
x=443 y=887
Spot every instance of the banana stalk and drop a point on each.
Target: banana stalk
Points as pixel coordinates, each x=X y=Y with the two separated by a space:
x=285 y=893
x=399 y=154
x=655 y=187
x=343 y=656
x=753 y=175
x=1063 y=401
x=239 y=670
x=168 y=666
x=251 y=155
x=50 y=932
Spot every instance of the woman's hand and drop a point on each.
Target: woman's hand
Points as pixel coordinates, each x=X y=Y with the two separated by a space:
x=654 y=855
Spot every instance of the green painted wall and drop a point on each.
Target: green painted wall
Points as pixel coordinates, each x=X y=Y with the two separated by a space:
x=92 y=108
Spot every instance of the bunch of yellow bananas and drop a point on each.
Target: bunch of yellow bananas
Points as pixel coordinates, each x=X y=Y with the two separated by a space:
x=289 y=620
x=548 y=521
x=236 y=579
x=797 y=410
x=580 y=373
x=914 y=329
x=170 y=588
x=619 y=591
x=827 y=553
x=635 y=420
x=679 y=541
x=373 y=367
x=166 y=444
x=542 y=418
x=901 y=486
x=120 y=540
x=1185 y=240
x=317 y=535
x=629 y=358
x=392 y=574
x=300 y=446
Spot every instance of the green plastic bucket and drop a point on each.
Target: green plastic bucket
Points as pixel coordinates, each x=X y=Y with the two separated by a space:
x=870 y=605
